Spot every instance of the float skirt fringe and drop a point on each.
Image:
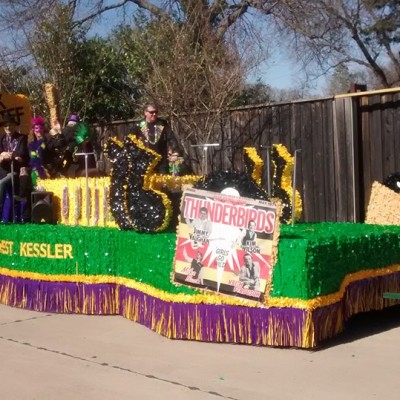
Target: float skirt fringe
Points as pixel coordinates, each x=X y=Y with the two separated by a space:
x=224 y=323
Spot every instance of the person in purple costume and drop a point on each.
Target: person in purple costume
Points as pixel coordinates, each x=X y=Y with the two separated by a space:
x=37 y=148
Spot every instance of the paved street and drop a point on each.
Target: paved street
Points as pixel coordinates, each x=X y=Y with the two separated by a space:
x=53 y=356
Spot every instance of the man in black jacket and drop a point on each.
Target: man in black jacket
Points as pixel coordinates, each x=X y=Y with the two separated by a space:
x=56 y=148
x=156 y=134
x=13 y=156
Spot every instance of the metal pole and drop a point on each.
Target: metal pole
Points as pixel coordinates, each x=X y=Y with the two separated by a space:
x=294 y=185
x=12 y=191
x=269 y=171
x=205 y=169
x=268 y=148
x=205 y=158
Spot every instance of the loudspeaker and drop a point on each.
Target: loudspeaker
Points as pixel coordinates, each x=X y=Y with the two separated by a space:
x=42 y=208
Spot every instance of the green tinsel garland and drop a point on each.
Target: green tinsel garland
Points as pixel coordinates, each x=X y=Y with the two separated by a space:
x=312 y=260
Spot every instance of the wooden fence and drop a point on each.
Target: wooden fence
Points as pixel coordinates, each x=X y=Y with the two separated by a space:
x=347 y=142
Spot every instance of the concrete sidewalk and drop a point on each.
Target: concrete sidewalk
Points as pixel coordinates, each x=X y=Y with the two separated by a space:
x=54 y=356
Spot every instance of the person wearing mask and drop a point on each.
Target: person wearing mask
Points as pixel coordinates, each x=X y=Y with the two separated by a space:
x=37 y=148
x=78 y=140
x=69 y=132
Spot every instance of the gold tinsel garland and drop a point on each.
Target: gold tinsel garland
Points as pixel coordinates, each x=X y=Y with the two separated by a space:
x=286 y=182
x=210 y=297
x=383 y=206
x=71 y=195
x=72 y=210
x=258 y=164
x=51 y=95
x=147 y=182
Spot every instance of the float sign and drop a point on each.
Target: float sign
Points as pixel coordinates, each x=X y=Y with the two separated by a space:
x=226 y=244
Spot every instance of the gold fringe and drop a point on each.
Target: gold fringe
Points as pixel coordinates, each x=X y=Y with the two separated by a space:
x=217 y=299
x=76 y=212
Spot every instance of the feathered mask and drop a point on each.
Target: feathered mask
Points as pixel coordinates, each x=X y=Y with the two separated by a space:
x=38 y=124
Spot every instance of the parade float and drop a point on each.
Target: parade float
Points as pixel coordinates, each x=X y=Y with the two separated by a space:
x=113 y=250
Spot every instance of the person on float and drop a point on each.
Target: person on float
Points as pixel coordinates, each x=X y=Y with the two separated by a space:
x=70 y=161
x=28 y=176
x=55 y=151
x=37 y=150
x=156 y=134
x=13 y=156
x=77 y=140
x=83 y=140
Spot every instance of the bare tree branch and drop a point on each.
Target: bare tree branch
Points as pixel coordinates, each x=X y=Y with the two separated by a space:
x=98 y=12
x=336 y=31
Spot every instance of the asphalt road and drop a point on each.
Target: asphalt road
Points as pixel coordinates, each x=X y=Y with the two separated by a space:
x=54 y=356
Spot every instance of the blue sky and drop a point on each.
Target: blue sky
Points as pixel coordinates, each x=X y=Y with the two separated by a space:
x=281 y=72
x=277 y=72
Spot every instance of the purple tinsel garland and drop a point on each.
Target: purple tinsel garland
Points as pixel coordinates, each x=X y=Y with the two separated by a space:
x=205 y=322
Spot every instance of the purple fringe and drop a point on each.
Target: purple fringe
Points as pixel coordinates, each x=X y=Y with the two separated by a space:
x=215 y=323
x=205 y=322
x=360 y=296
x=59 y=297
x=287 y=327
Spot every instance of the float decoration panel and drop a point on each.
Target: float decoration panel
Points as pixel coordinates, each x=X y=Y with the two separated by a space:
x=226 y=244
x=16 y=106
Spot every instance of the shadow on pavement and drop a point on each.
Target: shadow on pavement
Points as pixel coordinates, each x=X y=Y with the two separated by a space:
x=366 y=324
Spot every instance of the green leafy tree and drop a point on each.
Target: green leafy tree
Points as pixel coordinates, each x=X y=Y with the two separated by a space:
x=252 y=94
x=88 y=73
x=101 y=89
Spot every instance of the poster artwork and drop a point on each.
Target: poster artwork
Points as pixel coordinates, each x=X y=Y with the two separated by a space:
x=226 y=243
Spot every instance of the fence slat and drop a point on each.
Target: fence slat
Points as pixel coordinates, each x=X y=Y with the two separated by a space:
x=347 y=142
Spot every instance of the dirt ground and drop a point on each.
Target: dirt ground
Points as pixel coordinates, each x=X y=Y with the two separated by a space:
x=54 y=356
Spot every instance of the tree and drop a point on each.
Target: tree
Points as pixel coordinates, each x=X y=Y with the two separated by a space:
x=102 y=90
x=253 y=94
x=341 y=80
x=288 y=95
x=185 y=73
x=202 y=16
x=354 y=32
x=88 y=73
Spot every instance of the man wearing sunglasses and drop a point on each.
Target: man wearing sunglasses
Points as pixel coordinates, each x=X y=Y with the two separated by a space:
x=156 y=134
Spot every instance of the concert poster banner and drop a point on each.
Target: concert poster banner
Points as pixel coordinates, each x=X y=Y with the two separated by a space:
x=226 y=244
